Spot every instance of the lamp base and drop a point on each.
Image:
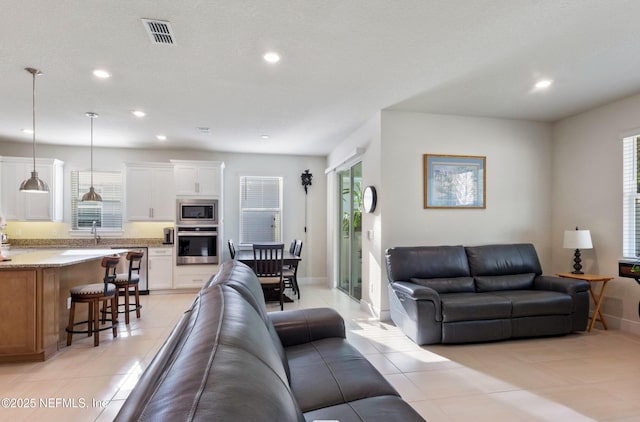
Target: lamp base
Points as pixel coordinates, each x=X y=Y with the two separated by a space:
x=577 y=263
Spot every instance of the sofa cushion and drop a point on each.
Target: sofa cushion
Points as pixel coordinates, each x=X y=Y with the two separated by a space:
x=447 y=285
x=330 y=371
x=519 y=258
x=474 y=306
x=504 y=282
x=381 y=408
x=537 y=302
x=405 y=262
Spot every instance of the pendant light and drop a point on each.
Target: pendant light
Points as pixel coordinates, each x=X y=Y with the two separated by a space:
x=92 y=195
x=34 y=183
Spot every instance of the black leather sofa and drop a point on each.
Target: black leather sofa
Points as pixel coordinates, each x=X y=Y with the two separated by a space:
x=227 y=359
x=457 y=294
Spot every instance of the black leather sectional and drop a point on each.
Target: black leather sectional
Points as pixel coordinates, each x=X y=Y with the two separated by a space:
x=457 y=294
x=229 y=360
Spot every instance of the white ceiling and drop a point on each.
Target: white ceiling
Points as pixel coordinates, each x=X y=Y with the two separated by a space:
x=342 y=61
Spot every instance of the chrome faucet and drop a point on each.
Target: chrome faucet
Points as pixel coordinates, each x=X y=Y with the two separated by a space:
x=94 y=232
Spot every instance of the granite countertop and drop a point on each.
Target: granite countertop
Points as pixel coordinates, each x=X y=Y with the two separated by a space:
x=47 y=258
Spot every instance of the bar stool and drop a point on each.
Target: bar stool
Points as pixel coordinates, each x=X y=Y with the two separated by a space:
x=93 y=294
x=124 y=282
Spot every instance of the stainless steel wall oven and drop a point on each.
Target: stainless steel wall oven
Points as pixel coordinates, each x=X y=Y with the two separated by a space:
x=197 y=245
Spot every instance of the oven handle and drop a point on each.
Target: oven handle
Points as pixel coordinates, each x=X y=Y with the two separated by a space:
x=197 y=234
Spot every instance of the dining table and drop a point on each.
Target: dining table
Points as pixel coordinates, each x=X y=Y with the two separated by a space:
x=246 y=257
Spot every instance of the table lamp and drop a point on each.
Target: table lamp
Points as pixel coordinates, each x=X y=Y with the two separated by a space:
x=577 y=239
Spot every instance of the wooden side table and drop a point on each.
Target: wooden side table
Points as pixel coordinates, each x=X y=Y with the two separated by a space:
x=597 y=298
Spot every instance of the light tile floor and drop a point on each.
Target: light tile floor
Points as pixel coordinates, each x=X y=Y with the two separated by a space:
x=579 y=377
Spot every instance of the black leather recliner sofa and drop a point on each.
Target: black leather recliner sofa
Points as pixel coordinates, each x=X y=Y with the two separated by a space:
x=227 y=359
x=457 y=294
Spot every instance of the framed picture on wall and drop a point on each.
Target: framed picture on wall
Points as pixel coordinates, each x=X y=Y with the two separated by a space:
x=454 y=181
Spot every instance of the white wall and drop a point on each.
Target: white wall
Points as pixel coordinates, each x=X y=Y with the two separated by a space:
x=290 y=167
x=518 y=187
x=518 y=177
x=587 y=192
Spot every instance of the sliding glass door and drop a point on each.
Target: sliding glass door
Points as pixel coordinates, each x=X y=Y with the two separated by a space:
x=350 y=223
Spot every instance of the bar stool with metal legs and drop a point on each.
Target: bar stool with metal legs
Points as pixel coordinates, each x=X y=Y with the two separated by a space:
x=93 y=294
x=124 y=283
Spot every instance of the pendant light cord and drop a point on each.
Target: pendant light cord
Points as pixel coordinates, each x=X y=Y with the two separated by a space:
x=92 y=117
x=33 y=123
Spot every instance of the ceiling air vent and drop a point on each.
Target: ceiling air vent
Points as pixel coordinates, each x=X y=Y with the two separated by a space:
x=159 y=31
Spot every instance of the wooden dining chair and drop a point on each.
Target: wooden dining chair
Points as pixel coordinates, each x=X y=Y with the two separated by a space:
x=267 y=264
x=290 y=272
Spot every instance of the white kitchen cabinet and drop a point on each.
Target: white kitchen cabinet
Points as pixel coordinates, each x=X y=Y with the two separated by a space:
x=150 y=192
x=160 y=268
x=27 y=206
x=192 y=276
x=198 y=178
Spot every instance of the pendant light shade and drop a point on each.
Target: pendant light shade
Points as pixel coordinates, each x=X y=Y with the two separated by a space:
x=34 y=183
x=92 y=195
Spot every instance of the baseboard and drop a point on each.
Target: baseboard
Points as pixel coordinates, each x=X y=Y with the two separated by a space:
x=382 y=315
x=622 y=324
x=322 y=281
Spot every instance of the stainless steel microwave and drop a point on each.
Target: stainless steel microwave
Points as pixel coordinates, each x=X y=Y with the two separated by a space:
x=201 y=212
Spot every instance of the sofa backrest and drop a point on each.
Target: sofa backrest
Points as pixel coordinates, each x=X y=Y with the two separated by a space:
x=242 y=279
x=426 y=262
x=503 y=267
x=221 y=365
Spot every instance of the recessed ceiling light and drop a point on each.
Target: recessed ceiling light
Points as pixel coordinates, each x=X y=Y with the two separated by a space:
x=29 y=131
x=139 y=113
x=264 y=137
x=271 y=57
x=161 y=137
x=544 y=83
x=100 y=73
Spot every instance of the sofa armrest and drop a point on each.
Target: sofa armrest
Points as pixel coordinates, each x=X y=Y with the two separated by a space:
x=305 y=325
x=416 y=291
x=559 y=284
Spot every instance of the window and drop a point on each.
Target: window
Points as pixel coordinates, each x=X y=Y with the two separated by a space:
x=260 y=209
x=108 y=213
x=631 y=198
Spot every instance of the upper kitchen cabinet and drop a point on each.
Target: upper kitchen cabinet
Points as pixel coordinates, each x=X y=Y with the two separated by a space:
x=150 y=192
x=28 y=206
x=198 y=178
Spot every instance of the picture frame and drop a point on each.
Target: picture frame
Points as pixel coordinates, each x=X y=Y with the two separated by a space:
x=454 y=181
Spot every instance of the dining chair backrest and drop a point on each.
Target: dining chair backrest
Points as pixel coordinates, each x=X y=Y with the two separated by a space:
x=298 y=248
x=292 y=245
x=268 y=259
x=232 y=249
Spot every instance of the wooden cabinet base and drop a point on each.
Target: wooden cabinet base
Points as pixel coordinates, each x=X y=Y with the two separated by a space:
x=28 y=315
x=33 y=311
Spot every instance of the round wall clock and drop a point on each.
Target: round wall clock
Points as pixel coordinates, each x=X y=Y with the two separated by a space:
x=369 y=199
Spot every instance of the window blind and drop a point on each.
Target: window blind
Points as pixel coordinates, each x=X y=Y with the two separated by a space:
x=630 y=198
x=108 y=213
x=260 y=209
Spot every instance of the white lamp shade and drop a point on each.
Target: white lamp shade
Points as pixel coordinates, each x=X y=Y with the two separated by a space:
x=577 y=239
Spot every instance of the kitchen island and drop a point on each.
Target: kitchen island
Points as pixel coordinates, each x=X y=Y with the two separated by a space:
x=34 y=287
